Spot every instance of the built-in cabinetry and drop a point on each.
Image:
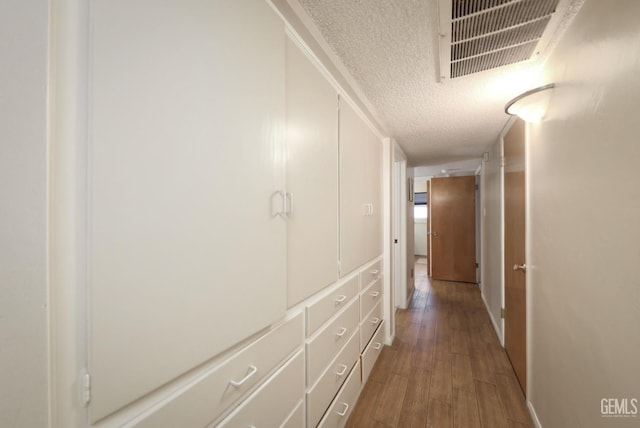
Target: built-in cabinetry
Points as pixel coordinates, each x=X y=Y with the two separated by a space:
x=360 y=166
x=233 y=223
x=233 y=378
x=185 y=173
x=312 y=177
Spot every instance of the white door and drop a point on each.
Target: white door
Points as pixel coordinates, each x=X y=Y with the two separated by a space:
x=185 y=158
x=312 y=177
x=360 y=186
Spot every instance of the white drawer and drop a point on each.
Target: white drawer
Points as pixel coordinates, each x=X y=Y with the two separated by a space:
x=319 y=312
x=370 y=297
x=272 y=403
x=330 y=339
x=370 y=274
x=296 y=418
x=320 y=395
x=344 y=402
x=214 y=388
x=369 y=325
x=372 y=352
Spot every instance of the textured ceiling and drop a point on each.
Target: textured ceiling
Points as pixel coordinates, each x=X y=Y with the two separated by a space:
x=390 y=48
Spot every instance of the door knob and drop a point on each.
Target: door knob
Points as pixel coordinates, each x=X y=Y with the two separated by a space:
x=434 y=234
x=523 y=267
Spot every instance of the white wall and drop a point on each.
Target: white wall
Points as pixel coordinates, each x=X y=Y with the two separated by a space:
x=583 y=223
x=23 y=218
x=420 y=237
x=493 y=238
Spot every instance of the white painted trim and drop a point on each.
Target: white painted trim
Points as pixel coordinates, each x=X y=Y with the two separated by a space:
x=527 y=258
x=502 y=228
x=410 y=296
x=401 y=264
x=534 y=415
x=479 y=194
x=68 y=109
x=429 y=229
x=353 y=90
x=298 y=40
x=387 y=231
x=493 y=320
x=295 y=38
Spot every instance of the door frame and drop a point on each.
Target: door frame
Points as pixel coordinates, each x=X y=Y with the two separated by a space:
x=399 y=224
x=527 y=256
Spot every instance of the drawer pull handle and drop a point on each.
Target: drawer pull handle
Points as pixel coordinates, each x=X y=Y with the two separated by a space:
x=375 y=272
x=377 y=346
x=375 y=320
x=341 y=298
x=375 y=294
x=237 y=383
x=341 y=331
x=342 y=371
x=344 y=411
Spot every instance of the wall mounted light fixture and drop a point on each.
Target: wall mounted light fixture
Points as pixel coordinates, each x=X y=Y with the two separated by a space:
x=530 y=106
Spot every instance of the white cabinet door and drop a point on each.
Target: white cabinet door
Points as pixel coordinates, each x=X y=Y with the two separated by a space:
x=312 y=177
x=360 y=219
x=373 y=187
x=185 y=154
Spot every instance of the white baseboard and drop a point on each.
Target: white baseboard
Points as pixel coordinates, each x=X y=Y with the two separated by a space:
x=493 y=321
x=410 y=297
x=534 y=416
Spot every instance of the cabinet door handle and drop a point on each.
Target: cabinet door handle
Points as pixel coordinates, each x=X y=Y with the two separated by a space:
x=289 y=202
x=283 y=204
x=375 y=294
x=374 y=272
x=237 y=383
x=341 y=331
x=375 y=320
x=344 y=411
x=341 y=298
x=342 y=371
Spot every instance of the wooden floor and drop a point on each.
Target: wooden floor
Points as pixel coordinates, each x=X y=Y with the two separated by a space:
x=446 y=367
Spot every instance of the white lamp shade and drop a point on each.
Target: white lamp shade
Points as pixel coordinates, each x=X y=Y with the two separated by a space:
x=531 y=106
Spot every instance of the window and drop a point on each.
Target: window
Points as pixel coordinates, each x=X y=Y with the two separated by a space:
x=420 y=205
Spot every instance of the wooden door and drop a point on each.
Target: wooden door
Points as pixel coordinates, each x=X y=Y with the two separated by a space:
x=453 y=228
x=514 y=251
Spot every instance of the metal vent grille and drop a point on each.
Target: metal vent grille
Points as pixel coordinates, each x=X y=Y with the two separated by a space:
x=493 y=60
x=487 y=34
x=501 y=40
x=460 y=8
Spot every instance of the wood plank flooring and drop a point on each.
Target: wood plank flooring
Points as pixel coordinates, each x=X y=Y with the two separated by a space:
x=445 y=369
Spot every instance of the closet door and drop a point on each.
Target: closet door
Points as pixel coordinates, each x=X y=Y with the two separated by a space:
x=373 y=189
x=312 y=177
x=186 y=253
x=360 y=220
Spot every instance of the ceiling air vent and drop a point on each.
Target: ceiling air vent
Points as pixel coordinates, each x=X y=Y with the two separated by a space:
x=479 y=35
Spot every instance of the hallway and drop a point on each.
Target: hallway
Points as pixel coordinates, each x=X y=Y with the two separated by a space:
x=446 y=367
